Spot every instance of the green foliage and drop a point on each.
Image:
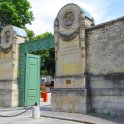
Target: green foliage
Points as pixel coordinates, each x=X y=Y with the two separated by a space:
x=15 y=12
x=30 y=34
x=48 y=62
x=44 y=35
x=47 y=57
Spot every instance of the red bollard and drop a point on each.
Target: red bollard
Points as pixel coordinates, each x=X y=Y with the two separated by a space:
x=45 y=99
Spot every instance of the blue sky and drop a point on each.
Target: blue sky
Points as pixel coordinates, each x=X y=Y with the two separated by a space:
x=45 y=11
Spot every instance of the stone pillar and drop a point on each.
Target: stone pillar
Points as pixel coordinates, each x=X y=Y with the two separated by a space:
x=11 y=37
x=70 y=93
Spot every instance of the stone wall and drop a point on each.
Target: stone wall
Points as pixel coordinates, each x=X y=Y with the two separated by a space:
x=105 y=66
x=91 y=64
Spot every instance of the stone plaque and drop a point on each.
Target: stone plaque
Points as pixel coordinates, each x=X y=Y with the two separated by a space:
x=68 y=81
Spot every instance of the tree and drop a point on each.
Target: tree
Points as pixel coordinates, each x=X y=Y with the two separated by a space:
x=15 y=12
x=47 y=57
x=44 y=35
x=30 y=34
x=48 y=62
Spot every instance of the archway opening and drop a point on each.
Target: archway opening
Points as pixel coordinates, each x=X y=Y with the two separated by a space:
x=47 y=72
x=30 y=76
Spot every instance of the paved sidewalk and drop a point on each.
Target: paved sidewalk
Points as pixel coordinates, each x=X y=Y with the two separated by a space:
x=54 y=117
x=51 y=116
x=89 y=119
x=45 y=107
x=26 y=118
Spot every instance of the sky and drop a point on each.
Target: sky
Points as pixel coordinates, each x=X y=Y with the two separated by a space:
x=45 y=12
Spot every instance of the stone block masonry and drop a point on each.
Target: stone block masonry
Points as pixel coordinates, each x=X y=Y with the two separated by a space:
x=106 y=47
x=105 y=66
x=69 y=100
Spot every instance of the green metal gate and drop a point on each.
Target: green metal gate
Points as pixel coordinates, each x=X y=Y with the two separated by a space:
x=24 y=50
x=32 y=86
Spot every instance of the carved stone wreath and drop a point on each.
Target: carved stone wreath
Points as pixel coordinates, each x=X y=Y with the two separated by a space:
x=69 y=37
x=6 y=41
x=7 y=36
x=68 y=19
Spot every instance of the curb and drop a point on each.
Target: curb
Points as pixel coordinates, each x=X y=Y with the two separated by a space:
x=67 y=119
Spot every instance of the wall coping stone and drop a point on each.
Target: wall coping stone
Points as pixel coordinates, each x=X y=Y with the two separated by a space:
x=104 y=24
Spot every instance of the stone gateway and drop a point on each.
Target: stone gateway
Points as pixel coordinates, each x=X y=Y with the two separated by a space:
x=89 y=63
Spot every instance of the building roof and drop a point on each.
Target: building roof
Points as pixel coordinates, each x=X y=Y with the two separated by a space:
x=87 y=14
x=19 y=31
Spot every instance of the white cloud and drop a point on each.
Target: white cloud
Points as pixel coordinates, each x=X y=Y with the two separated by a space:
x=45 y=11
